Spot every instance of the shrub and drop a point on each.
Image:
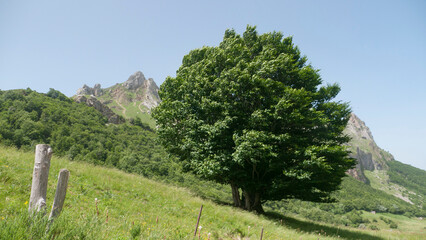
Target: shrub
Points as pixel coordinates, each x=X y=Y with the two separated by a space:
x=393 y=225
x=374 y=227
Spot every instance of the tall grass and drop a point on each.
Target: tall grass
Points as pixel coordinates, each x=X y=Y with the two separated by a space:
x=133 y=207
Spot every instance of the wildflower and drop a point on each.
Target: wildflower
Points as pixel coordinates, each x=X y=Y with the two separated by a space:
x=2 y=218
x=6 y=166
x=26 y=202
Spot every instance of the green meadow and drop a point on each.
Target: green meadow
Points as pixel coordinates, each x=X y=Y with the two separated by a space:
x=130 y=206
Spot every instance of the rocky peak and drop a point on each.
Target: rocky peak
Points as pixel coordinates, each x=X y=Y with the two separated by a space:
x=97 y=90
x=135 y=81
x=363 y=148
x=137 y=90
x=86 y=90
x=358 y=128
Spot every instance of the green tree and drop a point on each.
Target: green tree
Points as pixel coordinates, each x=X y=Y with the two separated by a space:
x=251 y=113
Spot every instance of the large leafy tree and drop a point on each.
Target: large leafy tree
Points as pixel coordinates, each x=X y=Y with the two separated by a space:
x=251 y=113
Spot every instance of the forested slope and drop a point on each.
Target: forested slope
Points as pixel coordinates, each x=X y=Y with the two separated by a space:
x=77 y=131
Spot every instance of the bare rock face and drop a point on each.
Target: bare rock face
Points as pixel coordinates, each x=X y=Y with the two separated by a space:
x=86 y=90
x=358 y=174
x=365 y=160
x=364 y=149
x=151 y=96
x=97 y=90
x=357 y=127
x=135 y=81
x=95 y=103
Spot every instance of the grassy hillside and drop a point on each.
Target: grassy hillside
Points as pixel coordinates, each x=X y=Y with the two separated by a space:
x=355 y=203
x=412 y=178
x=132 y=110
x=131 y=206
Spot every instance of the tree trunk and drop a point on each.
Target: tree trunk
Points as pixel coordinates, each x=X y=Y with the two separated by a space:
x=257 y=205
x=236 y=195
x=247 y=197
x=43 y=154
x=253 y=202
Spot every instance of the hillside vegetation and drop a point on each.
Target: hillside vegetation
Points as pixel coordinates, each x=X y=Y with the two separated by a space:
x=412 y=178
x=80 y=133
x=77 y=131
x=133 y=207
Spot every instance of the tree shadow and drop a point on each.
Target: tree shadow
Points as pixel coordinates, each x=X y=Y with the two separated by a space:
x=316 y=228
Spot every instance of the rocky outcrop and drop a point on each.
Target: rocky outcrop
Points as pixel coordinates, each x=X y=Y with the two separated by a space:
x=364 y=149
x=357 y=128
x=134 y=81
x=97 y=90
x=364 y=162
x=151 y=98
x=95 y=103
x=358 y=174
x=86 y=90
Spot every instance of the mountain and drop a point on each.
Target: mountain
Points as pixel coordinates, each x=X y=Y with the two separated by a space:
x=379 y=169
x=130 y=99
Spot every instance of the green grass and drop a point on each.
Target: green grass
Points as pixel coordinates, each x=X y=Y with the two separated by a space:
x=132 y=111
x=129 y=206
x=380 y=180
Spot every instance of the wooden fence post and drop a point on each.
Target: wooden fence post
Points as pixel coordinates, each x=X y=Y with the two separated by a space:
x=61 y=191
x=198 y=221
x=43 y=153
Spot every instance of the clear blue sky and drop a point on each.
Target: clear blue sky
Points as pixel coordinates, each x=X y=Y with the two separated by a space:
x=376 y=50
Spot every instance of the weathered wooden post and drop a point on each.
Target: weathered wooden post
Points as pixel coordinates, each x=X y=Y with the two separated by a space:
x=61 y=191
x=43 y=153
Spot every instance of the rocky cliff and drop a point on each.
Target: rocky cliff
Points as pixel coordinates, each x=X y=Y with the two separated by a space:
x=363 y=147
x=86 y=90
x=136 y=88
x=92 y=101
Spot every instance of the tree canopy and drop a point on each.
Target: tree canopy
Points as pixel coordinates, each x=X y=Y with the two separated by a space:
x=253 y=114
